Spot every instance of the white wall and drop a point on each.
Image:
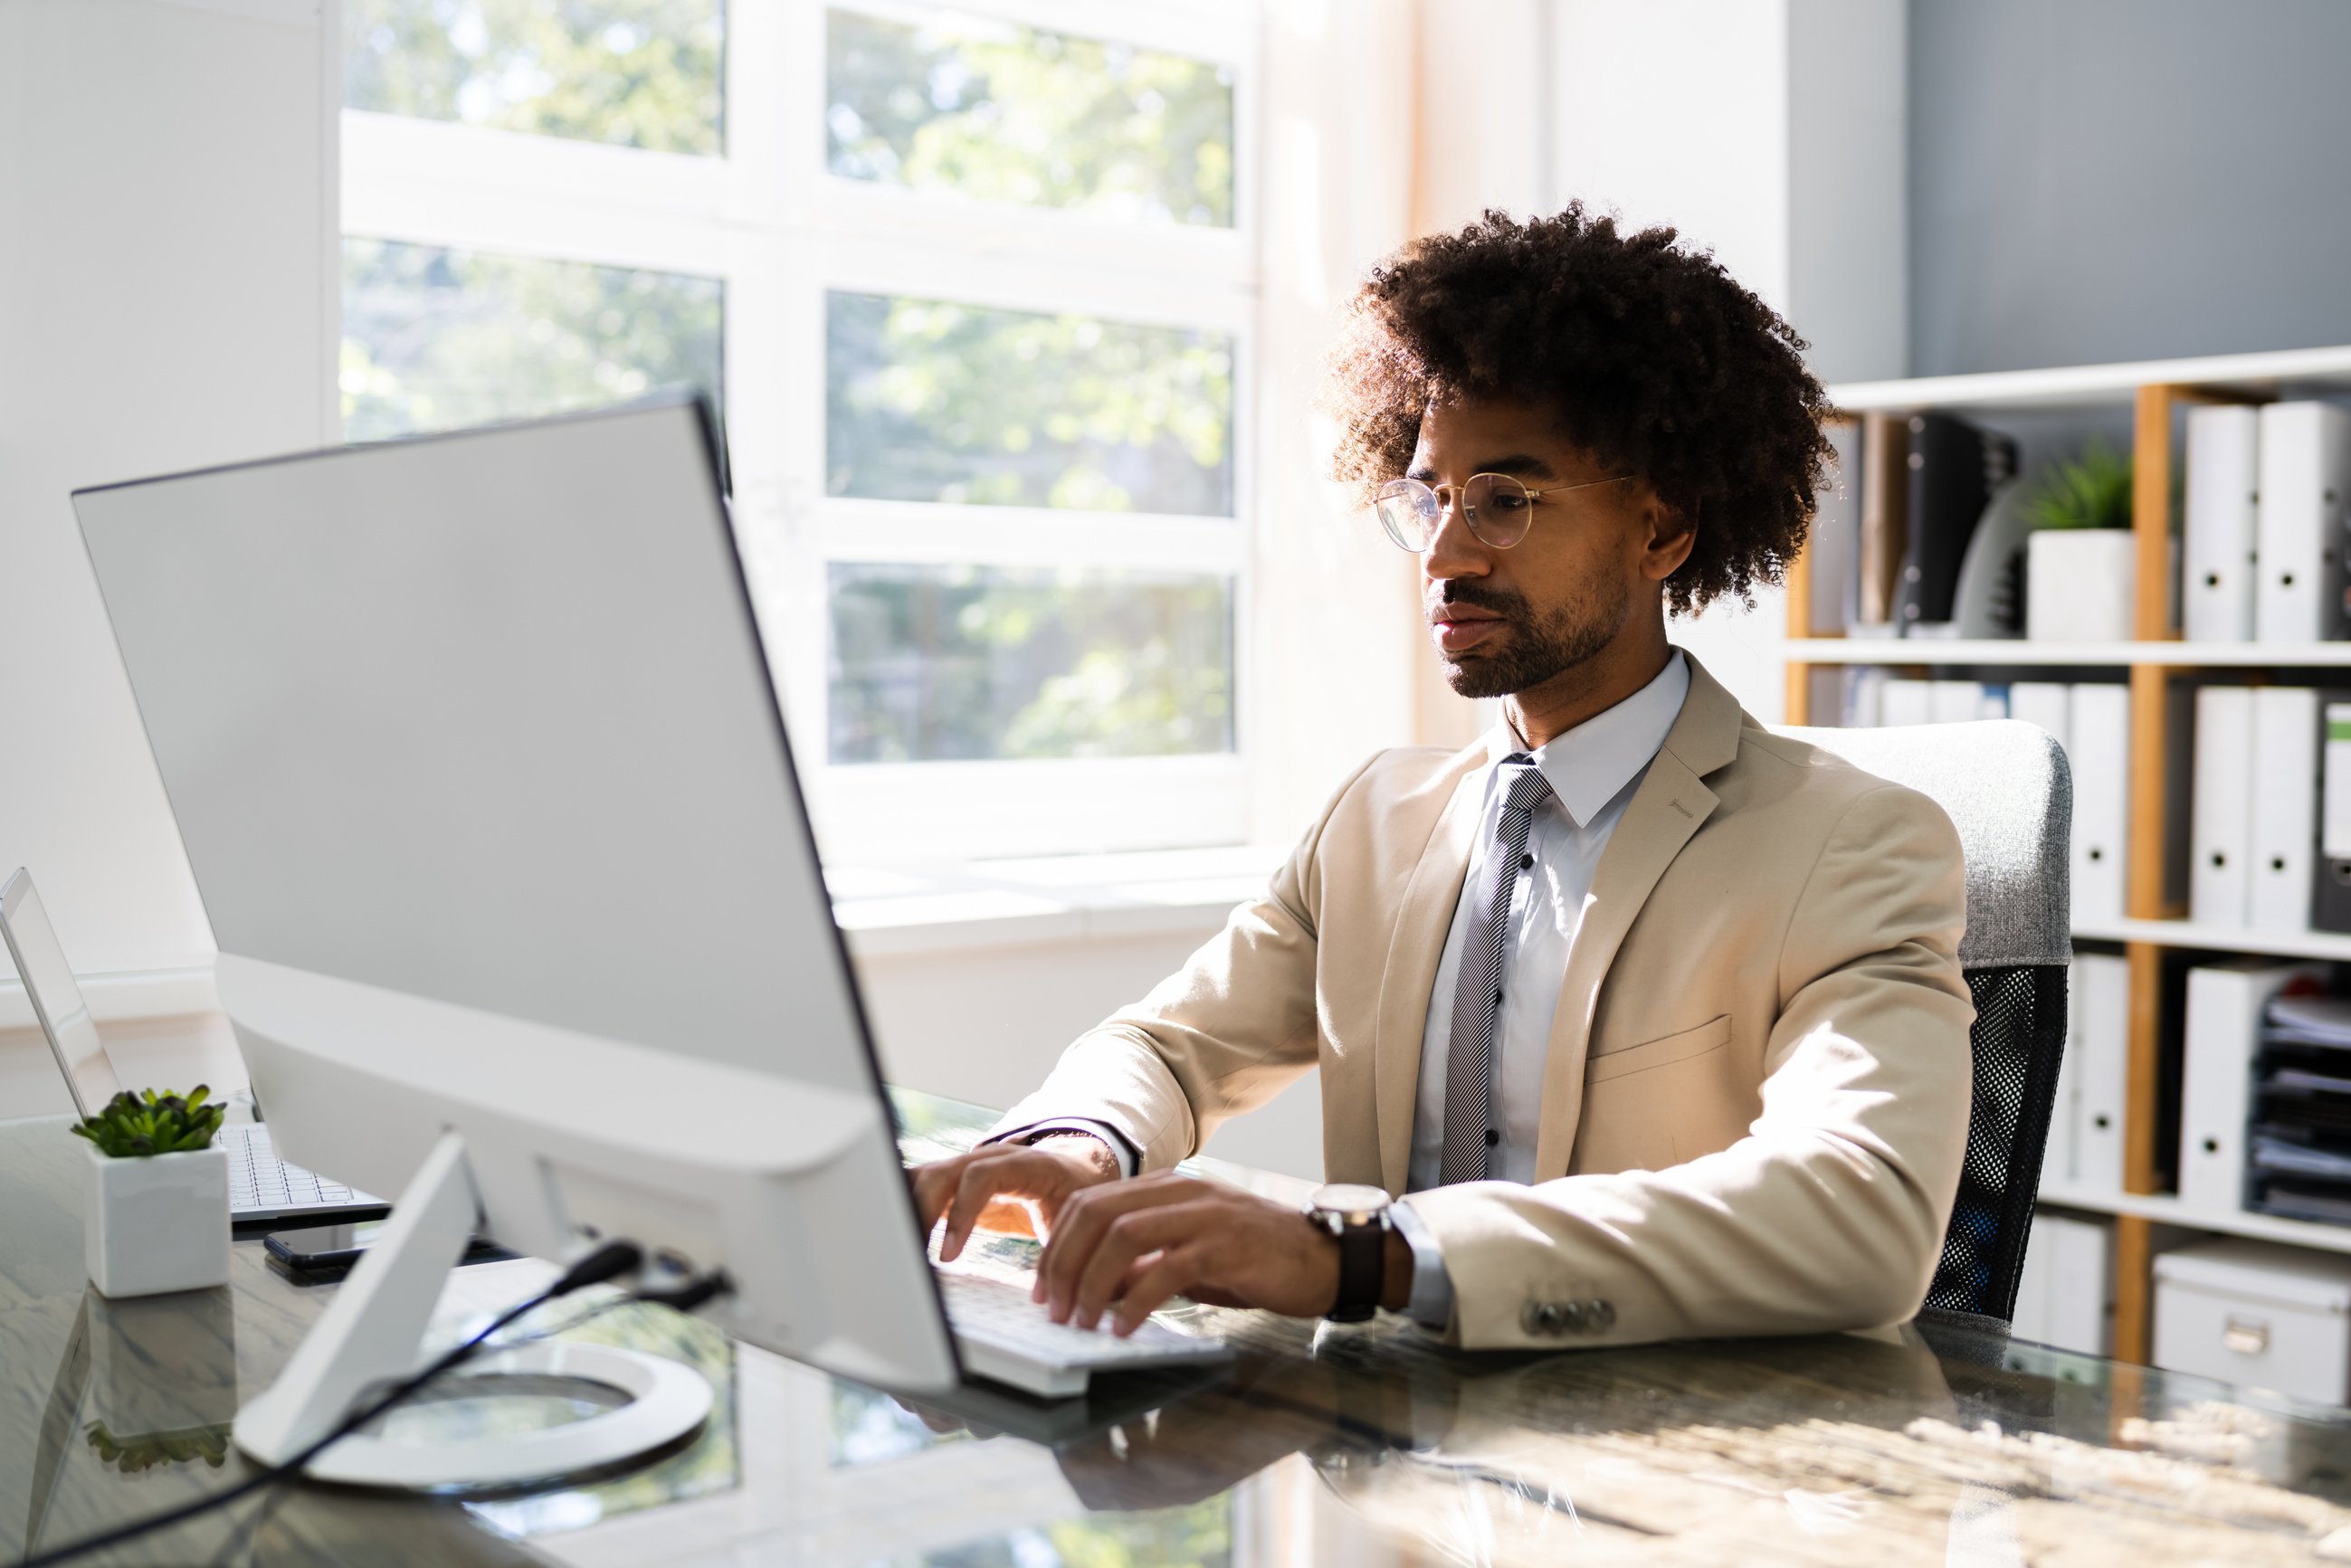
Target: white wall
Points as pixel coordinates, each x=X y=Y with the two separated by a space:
x=986 y=1024
x=1848 y=183
x=1772 y=133
x=1676 y=112
x=1333 y=613
x=166 y=295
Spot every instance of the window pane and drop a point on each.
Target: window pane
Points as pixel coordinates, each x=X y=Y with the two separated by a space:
x=934 y=664
x=1013 y=114
x=636 y=73
x=928 y=401
x=436 y=339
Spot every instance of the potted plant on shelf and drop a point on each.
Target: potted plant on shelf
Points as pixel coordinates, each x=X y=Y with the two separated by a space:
x=2081 y=570
x=155 y=1204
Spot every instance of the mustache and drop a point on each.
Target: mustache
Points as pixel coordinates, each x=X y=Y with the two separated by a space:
x=1457 y=595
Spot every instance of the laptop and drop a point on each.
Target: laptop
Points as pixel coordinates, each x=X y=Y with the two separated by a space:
x=262 y=1189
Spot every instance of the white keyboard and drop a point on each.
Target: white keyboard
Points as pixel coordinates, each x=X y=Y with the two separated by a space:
x=1008 y=1338
x=263 y=1186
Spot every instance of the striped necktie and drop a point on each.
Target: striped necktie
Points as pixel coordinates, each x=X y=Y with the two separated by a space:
x=1471 y=1130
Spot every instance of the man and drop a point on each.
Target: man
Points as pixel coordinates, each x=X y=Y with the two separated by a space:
x=1656 y=1019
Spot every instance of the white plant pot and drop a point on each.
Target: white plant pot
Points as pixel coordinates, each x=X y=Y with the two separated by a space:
x=2081 y=585
x=156 y=1224
x=161 y=1365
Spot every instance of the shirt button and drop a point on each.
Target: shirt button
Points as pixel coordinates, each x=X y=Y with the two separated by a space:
x=1526 y=862
x=1492 y=1137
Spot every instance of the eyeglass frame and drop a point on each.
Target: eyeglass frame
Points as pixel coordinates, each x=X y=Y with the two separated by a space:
x=1461 y=500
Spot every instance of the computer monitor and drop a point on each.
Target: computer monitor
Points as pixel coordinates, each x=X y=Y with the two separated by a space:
x=473 y=748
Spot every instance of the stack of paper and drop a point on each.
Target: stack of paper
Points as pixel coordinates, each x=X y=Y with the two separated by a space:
x=2226 y=1006
x=2298 y=1159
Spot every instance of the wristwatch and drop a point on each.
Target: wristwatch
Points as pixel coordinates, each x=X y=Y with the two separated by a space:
x=1358 y=1216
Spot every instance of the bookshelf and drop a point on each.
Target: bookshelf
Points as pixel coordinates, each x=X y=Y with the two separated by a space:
x=2157 y=394
x=2015 y=654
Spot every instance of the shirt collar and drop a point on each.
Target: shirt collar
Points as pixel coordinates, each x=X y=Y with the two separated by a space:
x=1588 y=765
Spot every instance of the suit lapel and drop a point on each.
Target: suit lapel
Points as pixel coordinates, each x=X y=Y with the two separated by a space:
x=1671 y=805
x=1407 y=978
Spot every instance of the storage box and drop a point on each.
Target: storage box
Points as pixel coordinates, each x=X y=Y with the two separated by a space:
x=2256 y=1314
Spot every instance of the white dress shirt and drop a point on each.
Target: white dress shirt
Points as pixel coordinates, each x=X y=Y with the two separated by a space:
x=1592 y=770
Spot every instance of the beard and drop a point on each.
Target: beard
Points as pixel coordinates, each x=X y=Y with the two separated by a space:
x=1536 y=648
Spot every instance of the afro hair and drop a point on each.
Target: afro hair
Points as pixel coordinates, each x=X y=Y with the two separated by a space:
x=1651 y=356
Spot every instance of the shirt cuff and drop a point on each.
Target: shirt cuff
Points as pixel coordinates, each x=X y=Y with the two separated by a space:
x=1431 y=1304
x=1120 y=1149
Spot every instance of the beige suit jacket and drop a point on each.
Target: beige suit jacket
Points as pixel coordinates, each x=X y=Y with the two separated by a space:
x=1755 y=1104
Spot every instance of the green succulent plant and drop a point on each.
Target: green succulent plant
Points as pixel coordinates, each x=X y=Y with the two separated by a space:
x=2093 y=491
x=132 y=1125
x=149 y=1451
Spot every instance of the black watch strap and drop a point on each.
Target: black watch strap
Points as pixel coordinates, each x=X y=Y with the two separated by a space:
x=1362 y=1264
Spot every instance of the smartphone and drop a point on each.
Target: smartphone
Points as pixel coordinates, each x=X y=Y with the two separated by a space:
x=333 y=1249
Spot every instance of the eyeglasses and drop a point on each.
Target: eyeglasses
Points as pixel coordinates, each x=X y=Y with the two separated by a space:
x=1497 y=509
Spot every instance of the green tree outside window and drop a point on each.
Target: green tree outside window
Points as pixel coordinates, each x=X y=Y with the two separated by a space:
x=631 y=73
x=1014 y=114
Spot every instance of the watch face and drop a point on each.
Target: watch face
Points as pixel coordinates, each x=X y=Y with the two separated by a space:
x=1350 y=1198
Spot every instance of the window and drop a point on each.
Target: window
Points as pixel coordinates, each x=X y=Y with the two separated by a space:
x=976 y=287
x=631 y=73
x=1008 y=113
x=435 y=338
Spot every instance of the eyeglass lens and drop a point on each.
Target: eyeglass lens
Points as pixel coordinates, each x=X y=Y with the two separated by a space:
x=1495 y=506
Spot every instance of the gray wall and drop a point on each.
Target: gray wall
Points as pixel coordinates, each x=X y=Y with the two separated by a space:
x=2100 y=180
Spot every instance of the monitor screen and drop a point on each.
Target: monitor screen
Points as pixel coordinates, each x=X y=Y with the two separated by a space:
x=484 y=718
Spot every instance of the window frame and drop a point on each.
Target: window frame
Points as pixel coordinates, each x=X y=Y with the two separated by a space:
x=767 y=219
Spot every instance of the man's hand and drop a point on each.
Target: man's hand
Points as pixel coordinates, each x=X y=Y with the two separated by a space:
x=1002 y=1186
x=1139 y=1242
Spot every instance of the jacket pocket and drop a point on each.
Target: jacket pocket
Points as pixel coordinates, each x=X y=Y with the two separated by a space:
x=1711 y=1035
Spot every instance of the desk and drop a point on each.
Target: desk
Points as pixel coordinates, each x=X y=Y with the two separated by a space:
x=1360 y=1446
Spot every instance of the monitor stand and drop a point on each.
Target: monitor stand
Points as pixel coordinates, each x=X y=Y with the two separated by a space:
x=373 y=1335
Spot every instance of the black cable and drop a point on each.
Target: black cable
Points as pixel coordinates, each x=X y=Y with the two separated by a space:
x=610 y=1259
x=682 y=1299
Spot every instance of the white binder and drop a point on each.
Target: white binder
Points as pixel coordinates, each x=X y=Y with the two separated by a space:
x=2223 y=475
x=2101 y=991
x=2044 y=703
x=1955 y=702
x=2098 y=749
x=2305 y=460
x=1902 y=701
x=2066 y=1297
x=2223 y=1027
x=2285 y=806
x=2220 y=853
x=2061 y=1156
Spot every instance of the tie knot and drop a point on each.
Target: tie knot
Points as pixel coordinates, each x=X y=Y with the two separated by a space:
x=1524 y=785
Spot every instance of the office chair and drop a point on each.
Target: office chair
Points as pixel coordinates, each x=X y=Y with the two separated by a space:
x=2005 y=787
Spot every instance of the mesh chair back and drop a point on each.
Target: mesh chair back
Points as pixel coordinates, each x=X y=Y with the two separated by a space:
x=2005 y=787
